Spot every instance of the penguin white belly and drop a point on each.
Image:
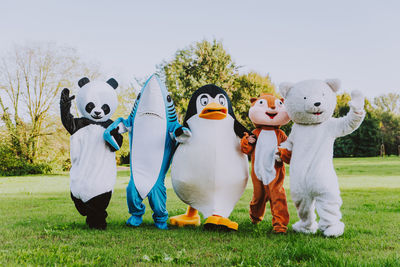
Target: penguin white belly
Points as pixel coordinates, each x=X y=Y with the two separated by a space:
x=209 y=172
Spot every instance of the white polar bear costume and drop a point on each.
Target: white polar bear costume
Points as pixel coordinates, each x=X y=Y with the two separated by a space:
x=313 y=181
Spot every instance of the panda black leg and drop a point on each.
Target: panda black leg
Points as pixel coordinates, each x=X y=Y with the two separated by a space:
x=96 y=212
x=79 y=205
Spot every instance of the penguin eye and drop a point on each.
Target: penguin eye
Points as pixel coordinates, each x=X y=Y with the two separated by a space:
x=222 y=100
x=169 y=99
x=204 y=100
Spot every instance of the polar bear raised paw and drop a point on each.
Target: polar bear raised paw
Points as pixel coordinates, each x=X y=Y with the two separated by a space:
x=334 y=230
x=305 y=228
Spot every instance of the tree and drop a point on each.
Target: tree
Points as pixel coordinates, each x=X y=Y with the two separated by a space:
x=388 y=103
x=389 y=131
x=207 y=62
x=126 y=99
x=30 y=81
x=364 y=142
x=200 y=64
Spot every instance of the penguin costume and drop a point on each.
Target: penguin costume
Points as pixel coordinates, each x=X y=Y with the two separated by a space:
x=208 y=171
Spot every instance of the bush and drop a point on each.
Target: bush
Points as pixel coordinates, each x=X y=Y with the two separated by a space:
x=12 y=166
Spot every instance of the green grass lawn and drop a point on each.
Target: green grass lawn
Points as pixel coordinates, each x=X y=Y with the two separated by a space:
x=40 y=226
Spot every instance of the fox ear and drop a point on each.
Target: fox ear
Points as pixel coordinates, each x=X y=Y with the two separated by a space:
x=284 y=88
x=283 y=100
x=253 y=99
x=334 y=84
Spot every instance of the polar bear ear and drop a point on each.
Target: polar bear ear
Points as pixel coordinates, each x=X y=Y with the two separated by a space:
x=334 y=84
x=284 y=88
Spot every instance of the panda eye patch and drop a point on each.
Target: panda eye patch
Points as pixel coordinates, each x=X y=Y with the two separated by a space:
x=89 y=107
x=106 y=109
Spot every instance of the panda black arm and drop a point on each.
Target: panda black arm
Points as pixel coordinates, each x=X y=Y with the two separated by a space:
x=240 y=129
x=65 y=107
x=118 y=138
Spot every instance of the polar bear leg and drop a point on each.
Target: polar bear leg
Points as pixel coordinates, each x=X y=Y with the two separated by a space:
x=328 y=208
x=306 y=211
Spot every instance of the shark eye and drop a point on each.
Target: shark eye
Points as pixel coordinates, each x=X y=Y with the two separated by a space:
x=222 y=100
x=204 y=100
x=305 y=97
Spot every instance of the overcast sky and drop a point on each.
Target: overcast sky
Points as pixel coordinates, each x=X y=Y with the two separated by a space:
x=355 y=41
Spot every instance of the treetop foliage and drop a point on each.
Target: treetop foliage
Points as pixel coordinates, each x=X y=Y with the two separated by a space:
x=207 y=62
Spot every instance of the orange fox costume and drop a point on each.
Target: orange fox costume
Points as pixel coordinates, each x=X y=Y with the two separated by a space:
x=274 y=191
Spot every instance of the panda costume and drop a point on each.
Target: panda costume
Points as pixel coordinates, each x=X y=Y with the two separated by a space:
x=93 y=171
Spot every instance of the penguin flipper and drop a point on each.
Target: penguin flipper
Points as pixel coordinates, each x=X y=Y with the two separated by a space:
x=182 y=134
x=240 y=129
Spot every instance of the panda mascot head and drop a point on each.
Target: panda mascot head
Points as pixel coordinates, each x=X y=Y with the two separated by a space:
x=96 y=100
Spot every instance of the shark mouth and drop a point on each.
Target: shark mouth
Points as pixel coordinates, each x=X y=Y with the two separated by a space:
x=317 y=113
x=149 y=113
x=271 y=115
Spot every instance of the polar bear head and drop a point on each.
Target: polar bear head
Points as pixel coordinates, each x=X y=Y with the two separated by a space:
x=310 y=101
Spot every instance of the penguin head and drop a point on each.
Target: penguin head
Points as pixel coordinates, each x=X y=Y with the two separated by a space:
x=210 y=102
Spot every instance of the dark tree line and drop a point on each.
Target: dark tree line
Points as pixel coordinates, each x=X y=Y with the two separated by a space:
x=379 y=132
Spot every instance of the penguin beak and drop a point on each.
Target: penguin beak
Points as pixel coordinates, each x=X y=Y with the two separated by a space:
x=213 y=111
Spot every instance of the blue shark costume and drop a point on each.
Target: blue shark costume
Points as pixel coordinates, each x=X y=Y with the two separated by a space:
x=154 y=132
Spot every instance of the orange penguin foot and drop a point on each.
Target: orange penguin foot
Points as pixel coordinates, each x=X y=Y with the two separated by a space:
x=191 y=217
x=215 y=222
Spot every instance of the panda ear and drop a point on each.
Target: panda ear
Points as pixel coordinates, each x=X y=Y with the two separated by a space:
x=284 y=88
x=113 y=83
x=83 y=81
x=334 y=84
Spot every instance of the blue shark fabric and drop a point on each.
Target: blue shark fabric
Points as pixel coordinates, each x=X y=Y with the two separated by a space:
x=154 y=132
